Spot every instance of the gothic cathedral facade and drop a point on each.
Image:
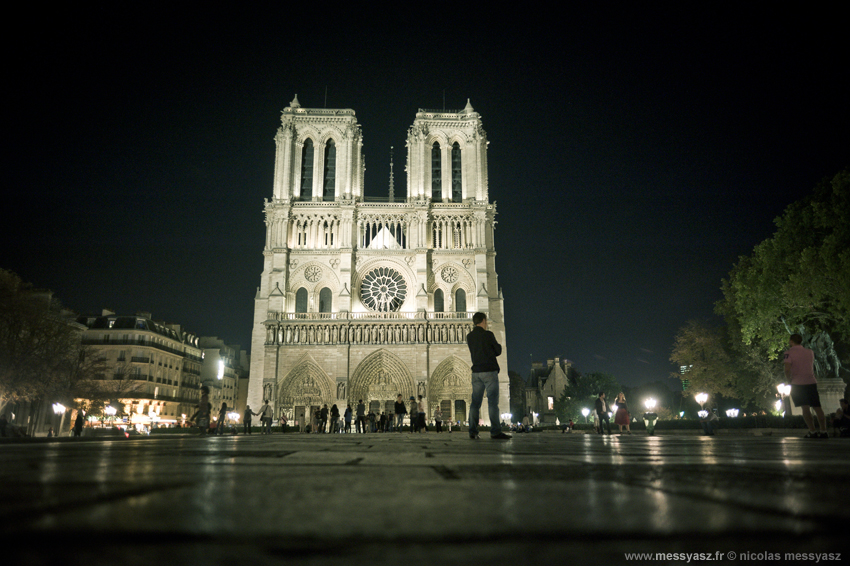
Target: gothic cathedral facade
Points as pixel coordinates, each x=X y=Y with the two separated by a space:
x=365 y=297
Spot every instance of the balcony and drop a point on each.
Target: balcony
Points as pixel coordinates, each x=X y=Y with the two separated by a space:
x=367 y=316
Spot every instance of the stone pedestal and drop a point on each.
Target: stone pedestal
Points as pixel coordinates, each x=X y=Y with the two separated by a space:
x=830 y=392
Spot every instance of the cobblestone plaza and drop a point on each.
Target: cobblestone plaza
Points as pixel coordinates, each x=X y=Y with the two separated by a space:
x=428 y=498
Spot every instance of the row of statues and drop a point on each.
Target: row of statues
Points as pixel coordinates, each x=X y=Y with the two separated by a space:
x=367 y=333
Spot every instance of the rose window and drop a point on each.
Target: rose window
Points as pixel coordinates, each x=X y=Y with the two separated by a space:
x=383 y=289
x=449 y=274
x=313 y=273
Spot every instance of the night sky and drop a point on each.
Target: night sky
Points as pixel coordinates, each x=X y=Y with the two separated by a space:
x=634 y=153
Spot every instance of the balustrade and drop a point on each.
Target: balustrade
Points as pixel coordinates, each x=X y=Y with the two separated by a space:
x=289 y=332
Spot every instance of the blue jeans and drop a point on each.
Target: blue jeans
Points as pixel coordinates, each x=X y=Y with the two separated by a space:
x=485 y=381
x=399 y=420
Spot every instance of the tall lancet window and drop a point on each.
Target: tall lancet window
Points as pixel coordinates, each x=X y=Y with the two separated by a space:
x=328 y=190
x=457 y=187
x=325 y=300
x=460 y=301
x=301 y=300
x=307 y=170
x=438 y=300
x=436 y=173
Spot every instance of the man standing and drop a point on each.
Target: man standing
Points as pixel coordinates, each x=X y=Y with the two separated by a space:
x=484 y=349
x=361 y=416
x=400 y=411
x=602 y=413
x=799 y=368
x=266 y=417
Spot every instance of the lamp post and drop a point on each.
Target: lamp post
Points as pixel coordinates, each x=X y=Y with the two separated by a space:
x=585 y=412
x=701 y=398
x=650 y=417
x=59 y=409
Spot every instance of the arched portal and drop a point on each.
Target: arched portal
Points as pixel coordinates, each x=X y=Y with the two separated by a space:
x=303 y=390
x=381 y=376
x=450 y=388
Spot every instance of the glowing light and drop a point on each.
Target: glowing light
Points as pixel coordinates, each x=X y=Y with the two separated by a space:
x=784 y=389
x=778 y=404
x=221 y=369
x=58 y=408
x=110 y=410
x=702 y=414
x=732 y=413
x=649 y=404
x=585 y=412
x=701 y=398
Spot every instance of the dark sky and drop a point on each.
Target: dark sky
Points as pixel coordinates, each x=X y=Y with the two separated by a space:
x=634 y=153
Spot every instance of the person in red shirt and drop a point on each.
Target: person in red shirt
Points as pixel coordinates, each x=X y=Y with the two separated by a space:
x=799 y=368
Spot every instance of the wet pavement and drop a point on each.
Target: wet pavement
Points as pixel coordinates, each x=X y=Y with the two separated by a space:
x=423 y=499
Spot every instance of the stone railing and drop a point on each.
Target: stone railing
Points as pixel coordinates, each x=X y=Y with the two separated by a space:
x=363 y=316
x=299 y=333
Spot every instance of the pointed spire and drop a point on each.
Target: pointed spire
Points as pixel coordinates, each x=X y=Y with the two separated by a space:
x=295 y=103
x=468 y=108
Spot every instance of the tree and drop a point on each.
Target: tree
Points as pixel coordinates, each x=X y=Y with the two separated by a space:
x=581 y=392
x=715 y=363
x=93 y=385
x=37 y=344
x=798 y=277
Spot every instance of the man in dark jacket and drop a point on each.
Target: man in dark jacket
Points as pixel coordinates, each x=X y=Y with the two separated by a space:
x=602 y=413
x=484 y=349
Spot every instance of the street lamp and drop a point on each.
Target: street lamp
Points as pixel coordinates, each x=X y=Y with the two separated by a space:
x=701 y=398
x=585 y=412
x=650 y=417
x=59 y=409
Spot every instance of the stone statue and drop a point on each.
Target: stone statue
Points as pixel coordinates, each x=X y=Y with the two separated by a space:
x=297 y=335
x=267 y=391
x=289 y=335
x=340 y=390
x=421 y=333
x=334 y=334
x=421 y=388
x=327 y=333
x=359 y=334
x=343 y=334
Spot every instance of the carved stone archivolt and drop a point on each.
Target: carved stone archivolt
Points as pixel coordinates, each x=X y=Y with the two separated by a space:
x=380 y=377
x=307 y=385
x=450 y=381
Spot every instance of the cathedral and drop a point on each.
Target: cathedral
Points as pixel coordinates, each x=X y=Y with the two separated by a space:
x=368 y=297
